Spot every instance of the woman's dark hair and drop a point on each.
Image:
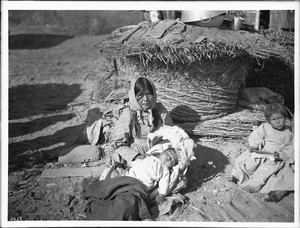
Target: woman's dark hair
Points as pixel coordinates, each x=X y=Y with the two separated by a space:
x=157 y=120
x=143 y=84
x=273 y=108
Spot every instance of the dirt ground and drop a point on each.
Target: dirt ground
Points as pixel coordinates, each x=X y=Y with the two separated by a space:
x=51 y=87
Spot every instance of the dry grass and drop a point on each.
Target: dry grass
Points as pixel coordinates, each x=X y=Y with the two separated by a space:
x=186 y=44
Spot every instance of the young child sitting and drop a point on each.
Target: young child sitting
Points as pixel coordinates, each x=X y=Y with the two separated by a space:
x=270 y=153
x=154 y=172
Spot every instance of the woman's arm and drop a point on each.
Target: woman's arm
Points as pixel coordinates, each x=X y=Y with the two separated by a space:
x=121 y=137
x=121 y=133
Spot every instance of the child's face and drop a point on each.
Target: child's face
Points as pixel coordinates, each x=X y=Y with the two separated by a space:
x=277 y=121
x=167 y=159
x=145 y=99
x=169 y=163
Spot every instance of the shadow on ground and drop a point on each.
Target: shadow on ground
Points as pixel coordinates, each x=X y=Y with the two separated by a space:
x=183 y=113
x=209 y=162
x=29 y=152
x=36 y=41
x=43 y=105
x=19 y=129
x=30 y=100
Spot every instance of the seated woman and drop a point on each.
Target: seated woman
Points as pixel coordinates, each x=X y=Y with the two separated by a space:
x=142 y=115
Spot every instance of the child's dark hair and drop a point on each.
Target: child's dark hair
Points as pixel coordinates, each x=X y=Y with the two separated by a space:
x=143 y=84
x=273 y=108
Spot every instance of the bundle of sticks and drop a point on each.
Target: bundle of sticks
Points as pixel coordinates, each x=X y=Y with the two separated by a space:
x=238 y=124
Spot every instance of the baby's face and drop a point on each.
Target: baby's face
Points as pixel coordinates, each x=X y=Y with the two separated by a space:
x=168 y=160
x=277 y=121
x=169 y=164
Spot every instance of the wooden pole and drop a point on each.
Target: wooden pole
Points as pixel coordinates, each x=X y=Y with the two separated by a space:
x=257 y=18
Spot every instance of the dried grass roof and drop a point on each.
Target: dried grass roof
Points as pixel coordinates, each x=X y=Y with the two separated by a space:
x=172 y=41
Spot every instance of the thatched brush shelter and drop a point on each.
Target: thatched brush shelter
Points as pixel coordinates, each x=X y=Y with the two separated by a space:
x=198 y=71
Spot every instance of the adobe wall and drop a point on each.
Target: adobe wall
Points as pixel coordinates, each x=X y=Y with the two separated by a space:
x=71 y=22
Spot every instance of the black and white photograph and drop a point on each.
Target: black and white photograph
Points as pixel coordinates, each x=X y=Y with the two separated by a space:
x=165 y=113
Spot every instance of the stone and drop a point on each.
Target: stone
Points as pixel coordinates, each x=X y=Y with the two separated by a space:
x=82 y=153
x=74 y=172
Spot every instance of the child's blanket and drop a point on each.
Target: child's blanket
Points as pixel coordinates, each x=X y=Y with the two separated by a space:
x=120 y=198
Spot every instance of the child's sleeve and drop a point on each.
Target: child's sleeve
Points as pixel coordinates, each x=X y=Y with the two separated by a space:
x=163 y=182
x=286 y=154
x=256 y=138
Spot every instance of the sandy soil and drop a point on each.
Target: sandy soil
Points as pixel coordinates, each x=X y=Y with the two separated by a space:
x=51 y=88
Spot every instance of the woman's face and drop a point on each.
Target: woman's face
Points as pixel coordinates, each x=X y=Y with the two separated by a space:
x=145 y=99
x=277 y=121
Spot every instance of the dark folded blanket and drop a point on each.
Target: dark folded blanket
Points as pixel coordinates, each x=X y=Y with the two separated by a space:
x=120 y=198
